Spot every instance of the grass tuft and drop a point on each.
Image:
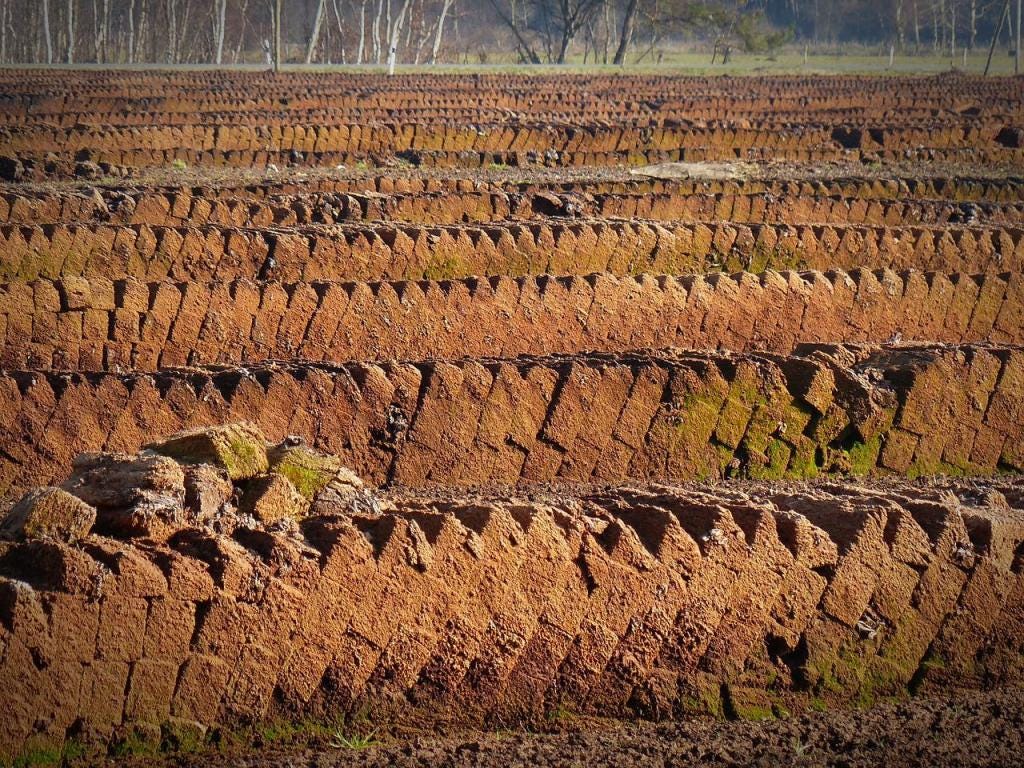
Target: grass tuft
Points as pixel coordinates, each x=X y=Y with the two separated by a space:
x=355 y=741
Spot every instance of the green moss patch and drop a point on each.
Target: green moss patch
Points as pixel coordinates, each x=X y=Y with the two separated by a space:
x=240 y=449
x=308 y=470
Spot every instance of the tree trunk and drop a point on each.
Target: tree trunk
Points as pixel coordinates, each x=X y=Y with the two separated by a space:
x=422 y=34
x=548 y=45
x=376 y=32
x=277 y=36
x=183 y=28
x=46 y=32
x=952 y=28
x=627 y=32
x=408 y=27
x=71 y=31
x=995 y=38
x=131 y=31
x=172 y=31
x=917 y=29
x=100 y=25
x=143 y=32
x=219 y=26
x=1016 y=47
x=526 y=52
x=97 y=42
x=606 y=40
x=315 y=36
x=242 y=16
x=457 y=36
x=439 y=34
x=396 y=32
x=362 y=33
x=341 y=29
x=563 y=45
x=899 y=24
x=972 y=32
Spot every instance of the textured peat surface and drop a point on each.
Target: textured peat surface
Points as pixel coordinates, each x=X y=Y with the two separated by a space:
x=215 y=584
x=475 y=420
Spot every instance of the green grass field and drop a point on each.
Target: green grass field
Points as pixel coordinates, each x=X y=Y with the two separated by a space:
x=789 y=62
x=675 y=62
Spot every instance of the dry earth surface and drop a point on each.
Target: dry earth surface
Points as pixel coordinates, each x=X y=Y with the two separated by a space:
x=967 y=731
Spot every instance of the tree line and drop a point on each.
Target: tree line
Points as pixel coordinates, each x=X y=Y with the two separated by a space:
x=910 y=25
x=470 y=31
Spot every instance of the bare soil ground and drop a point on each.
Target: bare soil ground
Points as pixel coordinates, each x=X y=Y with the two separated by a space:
x=964 y=730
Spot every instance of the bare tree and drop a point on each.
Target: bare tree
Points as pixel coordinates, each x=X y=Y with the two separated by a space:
x=277 y=36
x=952 y=28
x=243 y=23
x=439 y=32
x=1017 y=45
x=184 y=27
x=145 y=21
x=898 y=14
x=171 y=10
x=396 y=32
x=362 y=32
x=628 y=24
x=219 y=29
x=100 y=28
x=917 y=28
x=376 y=29
x=71 y=31
x=341 y=30
x=391 y=31
x=46 y=32
x=106 y=29
x=570 y=17
x=558 y=23
x=314 y=36
x=131 y=31
x=508 y=12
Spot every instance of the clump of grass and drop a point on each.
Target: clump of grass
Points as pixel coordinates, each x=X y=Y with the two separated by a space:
x=275 y=732
x=295 y=731
x=800 y=747
x=560 y=714
x=178 y=164
x=355 y=741
x=38 y=758
x=135 y=745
